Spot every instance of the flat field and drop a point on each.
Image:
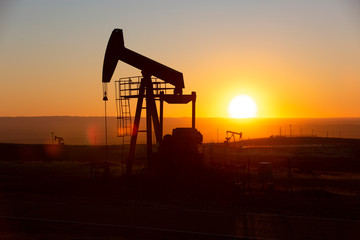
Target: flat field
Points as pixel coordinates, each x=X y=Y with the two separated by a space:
x=311 y=192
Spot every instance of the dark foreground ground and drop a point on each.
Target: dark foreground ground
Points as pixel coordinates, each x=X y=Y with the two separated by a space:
x=46 y=192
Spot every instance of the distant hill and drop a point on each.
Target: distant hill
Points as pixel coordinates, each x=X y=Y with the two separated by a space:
x=90 y=130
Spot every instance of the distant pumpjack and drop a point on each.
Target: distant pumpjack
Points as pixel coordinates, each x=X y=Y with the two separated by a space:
x=60 y=140
x=116 y=51
x=231 y=134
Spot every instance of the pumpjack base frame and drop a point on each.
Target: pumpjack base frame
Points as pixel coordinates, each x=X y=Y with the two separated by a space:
x=152 y=89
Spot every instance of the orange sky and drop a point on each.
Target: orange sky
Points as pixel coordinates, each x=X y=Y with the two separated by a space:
x=295 y=59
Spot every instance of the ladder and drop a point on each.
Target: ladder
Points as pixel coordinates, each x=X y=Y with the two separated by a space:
x=123 y=118
x=123 y=107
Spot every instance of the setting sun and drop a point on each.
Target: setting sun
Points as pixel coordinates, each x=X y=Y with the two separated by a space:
x=242 y=106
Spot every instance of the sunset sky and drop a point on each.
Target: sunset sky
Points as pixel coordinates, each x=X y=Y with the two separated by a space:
x=294 y=58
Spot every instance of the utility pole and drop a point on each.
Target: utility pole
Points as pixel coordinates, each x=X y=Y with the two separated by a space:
x=290 y=131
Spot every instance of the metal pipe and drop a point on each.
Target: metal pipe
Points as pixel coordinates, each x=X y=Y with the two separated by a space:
x=193 y=94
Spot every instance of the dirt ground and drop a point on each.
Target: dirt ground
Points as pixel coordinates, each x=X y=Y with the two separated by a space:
x=47 y=192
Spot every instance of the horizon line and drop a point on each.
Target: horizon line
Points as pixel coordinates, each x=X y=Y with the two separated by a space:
x=255 y=118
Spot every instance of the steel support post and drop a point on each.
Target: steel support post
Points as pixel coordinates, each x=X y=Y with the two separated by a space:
x=193 y=94
x=161 y=114
x=149 y=99
x=135 y=130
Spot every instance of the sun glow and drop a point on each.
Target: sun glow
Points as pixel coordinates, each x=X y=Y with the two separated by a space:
x=242 y=106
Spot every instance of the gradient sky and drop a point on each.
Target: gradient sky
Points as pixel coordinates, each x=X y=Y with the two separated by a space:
x=295 y=58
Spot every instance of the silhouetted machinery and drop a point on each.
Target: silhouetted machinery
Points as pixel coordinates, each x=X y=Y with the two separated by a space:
x=231 y=135
x=155 y=85
x=179 y=152
x=60 y=140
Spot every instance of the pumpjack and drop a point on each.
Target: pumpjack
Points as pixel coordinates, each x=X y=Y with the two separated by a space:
x=60 y=140
x=231 y=135
x=148 y=89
